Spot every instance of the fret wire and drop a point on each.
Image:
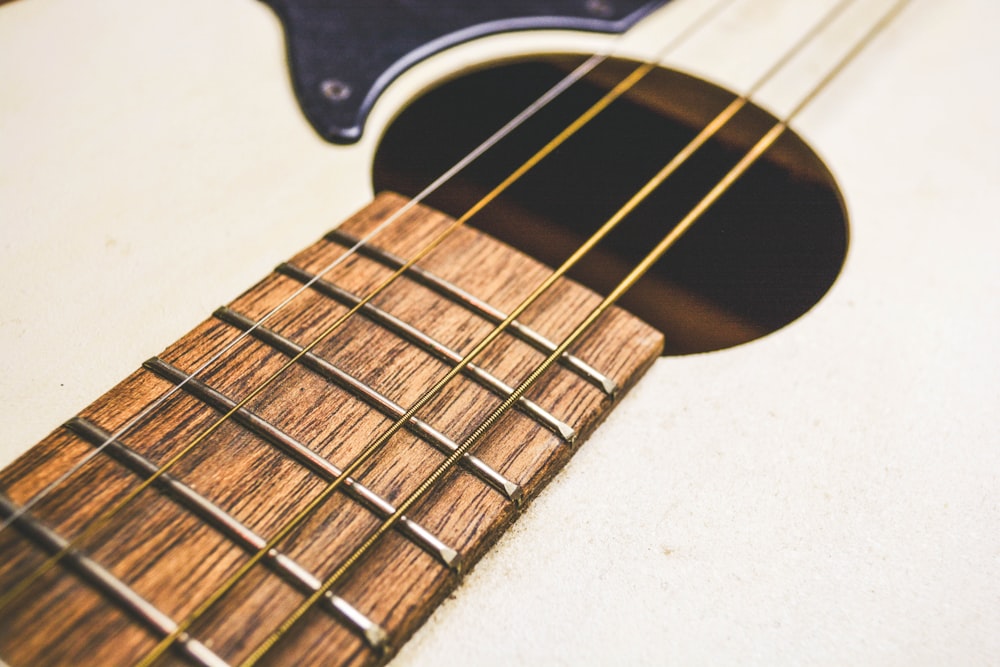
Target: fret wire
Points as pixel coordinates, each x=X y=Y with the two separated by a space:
x=310 y=460
x=331 y=373
x=476 y=305
x=112 y=588
x=749 y=159
x=432 y=346
x=244 y=537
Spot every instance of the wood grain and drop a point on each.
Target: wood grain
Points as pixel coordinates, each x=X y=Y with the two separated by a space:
x=174 y=559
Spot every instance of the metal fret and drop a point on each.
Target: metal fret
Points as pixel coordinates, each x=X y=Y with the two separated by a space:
x=225 y=523
x=388 y=407
x=310 y=459
x=473 y=303
x=109 y=585
x=428 y=344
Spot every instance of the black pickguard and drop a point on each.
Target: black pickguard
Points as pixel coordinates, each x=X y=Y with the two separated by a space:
x=343 y=53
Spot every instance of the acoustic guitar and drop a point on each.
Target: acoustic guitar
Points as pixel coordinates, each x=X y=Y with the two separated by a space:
x=799 y=462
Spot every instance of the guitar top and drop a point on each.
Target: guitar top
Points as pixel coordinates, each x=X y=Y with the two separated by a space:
x=828 y=492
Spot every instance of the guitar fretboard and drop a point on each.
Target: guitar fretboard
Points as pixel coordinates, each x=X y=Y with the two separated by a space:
x=100 y=570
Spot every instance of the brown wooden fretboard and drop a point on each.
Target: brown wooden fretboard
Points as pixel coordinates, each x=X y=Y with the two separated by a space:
x=97 y=573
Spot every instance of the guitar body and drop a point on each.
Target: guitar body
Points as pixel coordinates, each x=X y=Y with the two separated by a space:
x=828 y=493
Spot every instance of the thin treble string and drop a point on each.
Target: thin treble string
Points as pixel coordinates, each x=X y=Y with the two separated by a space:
x=599 y=106
x=723 y=186
x=376 y=445
x=531 y=110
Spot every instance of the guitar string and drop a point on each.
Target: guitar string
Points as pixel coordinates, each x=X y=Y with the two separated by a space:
x=706 y=133
x=528 y=112
x=640 y=71
x=750 y=158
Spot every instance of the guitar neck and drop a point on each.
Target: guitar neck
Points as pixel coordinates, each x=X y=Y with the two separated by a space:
x=252 y=447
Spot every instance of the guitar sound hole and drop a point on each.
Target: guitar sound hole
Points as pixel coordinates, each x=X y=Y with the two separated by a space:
x=763 y=255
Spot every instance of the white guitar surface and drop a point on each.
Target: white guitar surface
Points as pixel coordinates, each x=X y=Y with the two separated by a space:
x=829 y=494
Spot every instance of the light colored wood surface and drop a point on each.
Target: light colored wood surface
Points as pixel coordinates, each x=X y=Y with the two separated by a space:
x=828 y=494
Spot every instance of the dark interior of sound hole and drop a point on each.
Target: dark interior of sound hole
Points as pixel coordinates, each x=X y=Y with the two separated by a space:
x=759 y=258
